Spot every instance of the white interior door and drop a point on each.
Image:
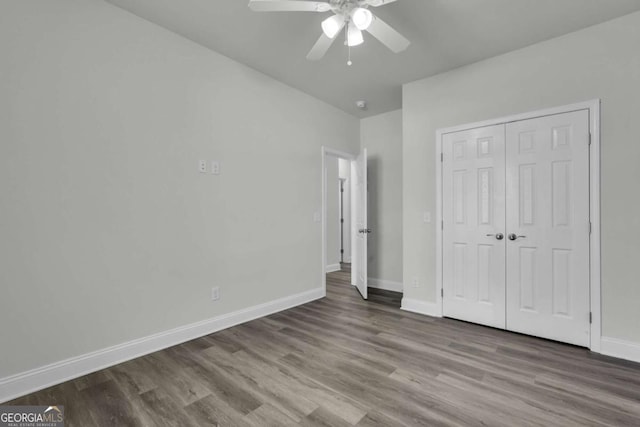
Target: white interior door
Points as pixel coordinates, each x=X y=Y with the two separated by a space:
x=359 y=220
x=548 y=227
x=474 y=221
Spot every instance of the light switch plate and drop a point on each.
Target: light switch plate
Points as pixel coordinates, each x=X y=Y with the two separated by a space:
x=215 y=167
x=317 y=217
x=426 y=217
x=202 y=166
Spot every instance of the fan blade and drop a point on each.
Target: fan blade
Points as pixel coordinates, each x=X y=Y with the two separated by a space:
x=288 y=6
x=377 y=3
x=387 y=35
x=320 y=48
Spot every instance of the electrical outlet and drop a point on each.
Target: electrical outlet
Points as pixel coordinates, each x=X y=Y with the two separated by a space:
x=426 y=217
x=202 y=166
x=416 y=282
x=215 y=294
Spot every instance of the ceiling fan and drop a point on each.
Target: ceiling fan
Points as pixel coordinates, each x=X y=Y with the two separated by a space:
x=352 y=15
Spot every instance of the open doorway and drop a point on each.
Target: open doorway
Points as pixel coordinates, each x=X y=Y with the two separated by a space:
x=344 y=212
x=338 y=215
x=344 y=219
x=336 y=211
x=351 y=244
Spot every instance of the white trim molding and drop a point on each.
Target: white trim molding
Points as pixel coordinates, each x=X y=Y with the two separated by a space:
x=331 y=268
x=594 y=171
x=37 y=379
x=387 y=285
x=422 y=307
x=620 y=348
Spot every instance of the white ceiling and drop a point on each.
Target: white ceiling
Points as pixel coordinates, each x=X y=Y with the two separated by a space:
x=445 y=34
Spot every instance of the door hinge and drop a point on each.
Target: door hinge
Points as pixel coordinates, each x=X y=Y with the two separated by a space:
x=341 y=251
x=441 y=157
x=590 y=227
x=442 y=225
x=590 y=317
x=342 y=220
x=442 y=292
x=589 y=138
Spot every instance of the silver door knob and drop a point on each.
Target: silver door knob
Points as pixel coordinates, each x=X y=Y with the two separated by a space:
x=498 y=236
x=513 y=236
x=364 y=230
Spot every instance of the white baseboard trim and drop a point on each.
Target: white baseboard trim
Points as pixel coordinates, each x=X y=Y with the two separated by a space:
x=421 y=307
x=621 y=349
x=387 y=285
x=332 y=268
x=37 y=379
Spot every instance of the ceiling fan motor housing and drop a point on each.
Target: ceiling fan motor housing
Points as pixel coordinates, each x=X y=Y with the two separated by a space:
x=344 y=7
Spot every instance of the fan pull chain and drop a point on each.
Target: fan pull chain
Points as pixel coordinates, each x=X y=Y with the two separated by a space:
x=346 y=41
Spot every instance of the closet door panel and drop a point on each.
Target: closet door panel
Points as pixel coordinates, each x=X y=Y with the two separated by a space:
x=474 y=225
x=547 y=212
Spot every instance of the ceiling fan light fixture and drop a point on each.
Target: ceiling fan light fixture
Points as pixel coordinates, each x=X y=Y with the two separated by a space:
x=361 y=18
x=332 y=25
x=354 y=36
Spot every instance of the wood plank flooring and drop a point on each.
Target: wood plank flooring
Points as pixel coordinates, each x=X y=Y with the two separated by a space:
x=342 y=361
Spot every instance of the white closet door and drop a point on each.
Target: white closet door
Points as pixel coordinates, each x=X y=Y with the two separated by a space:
x=548 y=214
x=474 y=221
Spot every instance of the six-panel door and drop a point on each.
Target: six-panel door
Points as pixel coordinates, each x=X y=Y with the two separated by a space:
x=473 y=212
x=548 y=211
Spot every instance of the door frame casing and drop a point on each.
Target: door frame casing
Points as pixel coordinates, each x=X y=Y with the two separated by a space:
x=593 y=107
x=326 y=151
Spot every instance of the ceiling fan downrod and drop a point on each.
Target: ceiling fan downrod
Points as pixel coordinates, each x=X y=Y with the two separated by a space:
x=346 y=42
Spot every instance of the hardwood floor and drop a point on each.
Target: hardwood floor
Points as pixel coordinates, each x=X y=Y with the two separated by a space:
x=343 y=361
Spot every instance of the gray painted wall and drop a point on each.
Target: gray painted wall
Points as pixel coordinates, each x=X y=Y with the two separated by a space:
x=599 y=62
x=382 y=137
x=108 y=231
